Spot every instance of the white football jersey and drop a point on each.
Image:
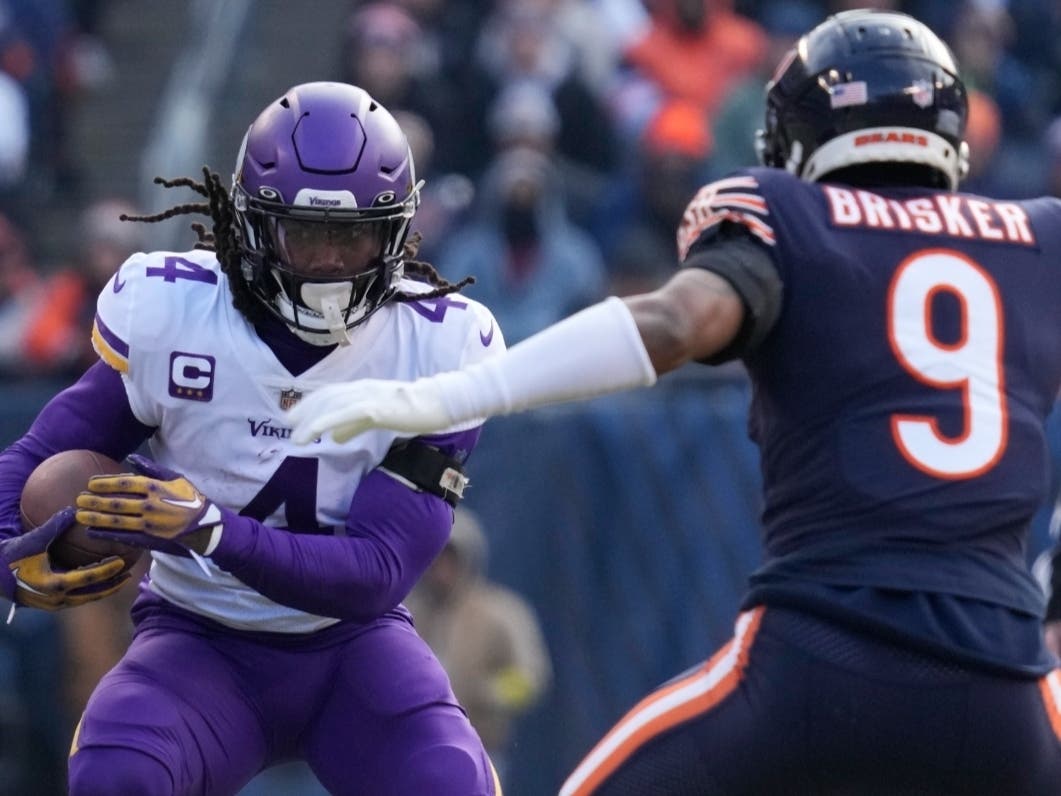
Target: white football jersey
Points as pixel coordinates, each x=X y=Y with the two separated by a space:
x=195 y=369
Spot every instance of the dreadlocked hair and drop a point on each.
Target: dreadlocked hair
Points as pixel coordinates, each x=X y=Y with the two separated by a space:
x=224 y=240
x=426 y=272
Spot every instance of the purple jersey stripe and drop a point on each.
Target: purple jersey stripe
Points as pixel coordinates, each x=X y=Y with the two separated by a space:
x=116 y=343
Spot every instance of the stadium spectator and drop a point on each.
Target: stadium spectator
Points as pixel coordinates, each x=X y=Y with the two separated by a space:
x=38 y=48
x=589 y=28
x=521 y=43
x=55 y=338
x=22 y=292
x=1037 y=30
x=446 y=197
x=903 y=369
x=740 y=113
x=696 y=50
x=1051 y=148
x=531 y=265
x=14 y=138
x=270 y=624
x=636 y=226
x=385 y=52
x=524 y=115
x=983 y=133
x=449 y=29
x=486 y=636
x=981 y=37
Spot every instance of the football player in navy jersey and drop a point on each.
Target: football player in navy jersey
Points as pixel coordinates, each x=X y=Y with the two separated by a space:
x=270 y=626
x=904 y=344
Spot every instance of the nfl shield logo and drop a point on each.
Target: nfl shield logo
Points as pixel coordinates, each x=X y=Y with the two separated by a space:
x=922 y=92
x=289 y=398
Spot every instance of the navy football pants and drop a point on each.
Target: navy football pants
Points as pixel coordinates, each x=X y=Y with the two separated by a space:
x=796 y=705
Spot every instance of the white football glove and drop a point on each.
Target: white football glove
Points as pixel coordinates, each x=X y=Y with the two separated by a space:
x=352 y=408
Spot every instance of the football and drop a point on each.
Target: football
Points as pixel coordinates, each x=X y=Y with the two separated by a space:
x=54 y=485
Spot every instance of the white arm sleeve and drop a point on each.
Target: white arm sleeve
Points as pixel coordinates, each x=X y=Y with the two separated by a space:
x=594 y=352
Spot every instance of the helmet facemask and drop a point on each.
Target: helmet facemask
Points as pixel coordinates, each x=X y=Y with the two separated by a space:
x=322 y=299
x=324 y=192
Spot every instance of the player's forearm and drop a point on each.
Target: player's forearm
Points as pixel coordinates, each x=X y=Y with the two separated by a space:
x=389 y=544
x=694 y=316
x=16 y=463
x=93 y=413
x=595 y=352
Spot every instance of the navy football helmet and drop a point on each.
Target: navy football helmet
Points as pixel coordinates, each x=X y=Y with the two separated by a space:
x=867 y=88
x=325 y=167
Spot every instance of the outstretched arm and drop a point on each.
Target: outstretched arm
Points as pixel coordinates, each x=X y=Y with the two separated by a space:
x=693 y=317
x=612 y=346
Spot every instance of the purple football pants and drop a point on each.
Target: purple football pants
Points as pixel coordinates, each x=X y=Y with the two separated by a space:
x=195 y=708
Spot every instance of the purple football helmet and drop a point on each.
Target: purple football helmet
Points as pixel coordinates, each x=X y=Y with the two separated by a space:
x=326 y=164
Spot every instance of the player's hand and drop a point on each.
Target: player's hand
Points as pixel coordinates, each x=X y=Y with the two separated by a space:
x=351 y=408
x=1052 y=635
x=155 y=508
x=29 y=579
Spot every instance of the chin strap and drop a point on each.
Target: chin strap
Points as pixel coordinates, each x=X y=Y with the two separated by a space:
x=328 y=300
x=335 y=319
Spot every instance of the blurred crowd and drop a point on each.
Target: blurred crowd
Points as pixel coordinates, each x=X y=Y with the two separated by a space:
x=560 y=139
x=52 y=54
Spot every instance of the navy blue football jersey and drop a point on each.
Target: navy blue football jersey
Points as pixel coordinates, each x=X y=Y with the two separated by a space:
x=899 y=401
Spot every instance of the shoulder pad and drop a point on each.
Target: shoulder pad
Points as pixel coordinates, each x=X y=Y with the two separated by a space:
x=147 y=296
x=736 y=199
x=466 y=333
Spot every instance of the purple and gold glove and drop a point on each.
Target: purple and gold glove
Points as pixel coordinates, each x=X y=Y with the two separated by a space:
x=154 y=509
x=27 y=577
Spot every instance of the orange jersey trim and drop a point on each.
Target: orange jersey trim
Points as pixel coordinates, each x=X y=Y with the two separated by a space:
x=1050 y=686
x=678 y=701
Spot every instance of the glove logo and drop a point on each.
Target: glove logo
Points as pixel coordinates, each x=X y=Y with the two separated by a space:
x=185 y=504
x=191 y=376
x=23 y=585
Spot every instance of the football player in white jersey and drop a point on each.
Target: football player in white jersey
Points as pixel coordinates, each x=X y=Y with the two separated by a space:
x=270 y=626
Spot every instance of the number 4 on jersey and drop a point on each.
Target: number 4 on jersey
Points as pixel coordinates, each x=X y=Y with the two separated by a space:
x=179 y=268
x=293 y=486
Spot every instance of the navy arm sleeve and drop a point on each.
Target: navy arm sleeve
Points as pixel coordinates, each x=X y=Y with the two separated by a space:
x=393 y=532
x=738 y=258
